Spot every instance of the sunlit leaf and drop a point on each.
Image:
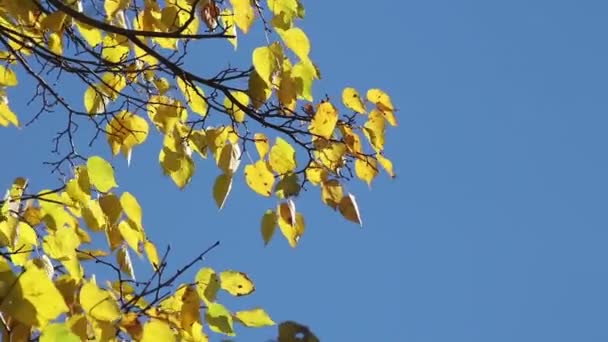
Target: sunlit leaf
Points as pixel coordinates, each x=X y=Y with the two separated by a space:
x=132 y=208
x=366 y=169
x=98 y=303
x=101 y=174
x=207 y=284
x=254 y=318
x=156 y=330
x=261 y=144
x=244 y=14
x=233 y=109
x=8 y=78
x=297 y=41
x=31 y=298
x=352 y=100
x=194 y=95
x=58 y=332
x=259 y=178
x=236 y=283
x=324 y=121
x=282 y=158
x=386 y=164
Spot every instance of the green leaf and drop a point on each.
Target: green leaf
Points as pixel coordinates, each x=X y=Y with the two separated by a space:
x=101 y=174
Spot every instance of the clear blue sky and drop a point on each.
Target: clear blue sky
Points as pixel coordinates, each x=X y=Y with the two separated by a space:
x=496 y=227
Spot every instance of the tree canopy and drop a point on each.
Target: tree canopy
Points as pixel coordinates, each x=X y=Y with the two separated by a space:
x=129 y=61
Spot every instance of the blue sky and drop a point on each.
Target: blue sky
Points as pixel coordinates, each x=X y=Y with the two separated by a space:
x=496 y=227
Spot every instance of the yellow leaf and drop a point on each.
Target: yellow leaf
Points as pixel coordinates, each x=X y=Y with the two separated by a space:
x=194 y=95
x=324 y=121
x=152 y=254
x=254 y=318
x=380 y=99
x=352 y=100
x=349 y=209
x=282 y=158
x=31 y=298
x=207 y=284
x=125 y=131
x=58 y=332
x=110 y=205
x=386 y=164
x=132 y=209
x=131 y=235
x=233 y=109
x=62 y=243
x=244 y=14
x=383 y=103
x=98 y=303
x=265 y=63
x=292 y=224
x=198 y=141
x=366 y=169
x=7 y=116
x=351 y=139
x=288 y=185
x=157 y=330
x=259 y=178
x=230 y=25
x=374 y=129
x=258 y=90
x=287 y=9
x=331 y=193
x=124 y=261
x=113 y=6
x=178 y=166
x=221 y=189
x=53 y=22
x=269 y=223
x=94 y=216
x=315 y=173
x=162 y=84
x=230 y=158
x=115 y=48
x=236 y=283
x=331 y=156
x=101 y=174
x=261 y=144
x=219 y=319
x=303 y=74
x=91 y=34
x=297 y=41
x=56 y=43
x=8 y=78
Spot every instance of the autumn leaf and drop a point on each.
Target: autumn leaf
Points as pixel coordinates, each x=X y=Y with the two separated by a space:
x=352 y=100
x=282 y=157
x=101 y=174
x=236 y=283
x=259 y=178
x=255 y=318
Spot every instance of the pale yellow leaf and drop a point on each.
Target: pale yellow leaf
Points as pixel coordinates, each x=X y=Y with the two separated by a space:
x=282 y=158
x=324 y=121
x=259 y=178
x=98 y=303
x=254 y=318
x=101 y=174
x=236 y=283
